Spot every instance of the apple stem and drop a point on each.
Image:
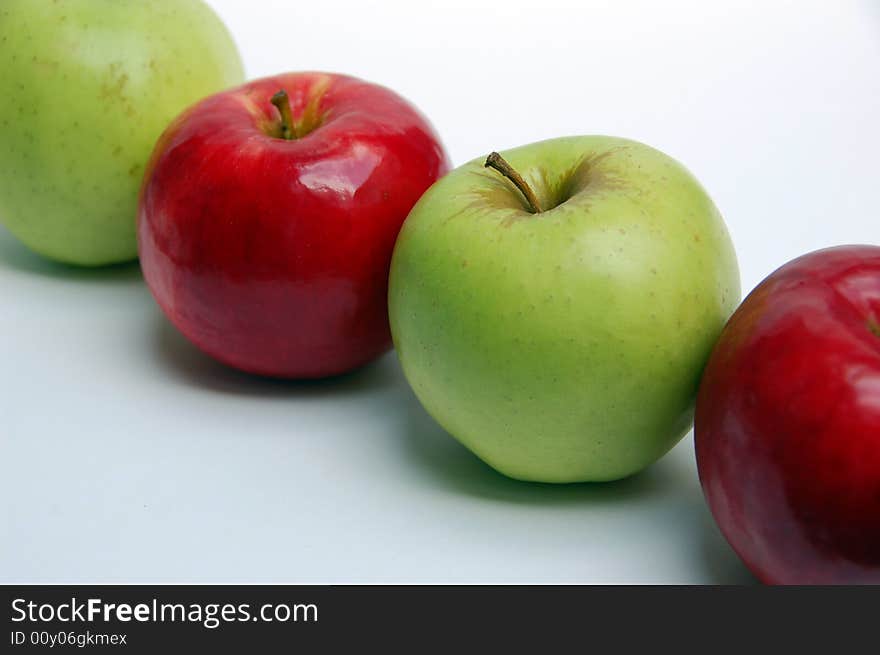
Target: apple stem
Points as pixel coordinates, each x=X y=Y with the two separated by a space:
x=282 y=103
x=496 y=161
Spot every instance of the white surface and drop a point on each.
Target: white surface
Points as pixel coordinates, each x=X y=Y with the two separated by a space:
x=128 y=456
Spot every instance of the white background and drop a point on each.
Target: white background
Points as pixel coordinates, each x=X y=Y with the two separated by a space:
x=128 y=456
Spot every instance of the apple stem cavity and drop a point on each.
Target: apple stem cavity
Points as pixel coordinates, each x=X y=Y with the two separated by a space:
x=282 y=103
x=497 y=162
x=309 y=120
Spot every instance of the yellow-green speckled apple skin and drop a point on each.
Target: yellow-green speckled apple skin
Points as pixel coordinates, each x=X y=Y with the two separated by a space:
x=568 y=345
x=86 y=88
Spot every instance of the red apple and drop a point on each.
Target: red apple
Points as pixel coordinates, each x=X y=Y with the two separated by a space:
x=788 y=422
x=269 y=213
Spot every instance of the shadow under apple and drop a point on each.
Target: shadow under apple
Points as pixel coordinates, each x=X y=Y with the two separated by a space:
x=450 y=465
x=721 y=563
x=444 y=463
x=186 y=363
x=17 y=258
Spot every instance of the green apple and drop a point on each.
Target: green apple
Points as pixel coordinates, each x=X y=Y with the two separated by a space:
x=562 y=338
x=86 y=88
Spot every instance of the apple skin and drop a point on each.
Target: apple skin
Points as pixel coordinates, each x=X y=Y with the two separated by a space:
x=563 y=346
x=272 y=255
x=788 y=422
x=87 y=87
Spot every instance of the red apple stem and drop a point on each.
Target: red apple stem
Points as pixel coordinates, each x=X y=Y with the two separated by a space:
x=497 y=162
x=282 y=103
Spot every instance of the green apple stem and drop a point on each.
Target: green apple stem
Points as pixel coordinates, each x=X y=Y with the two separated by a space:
x=282 y=103
x=496 y=161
